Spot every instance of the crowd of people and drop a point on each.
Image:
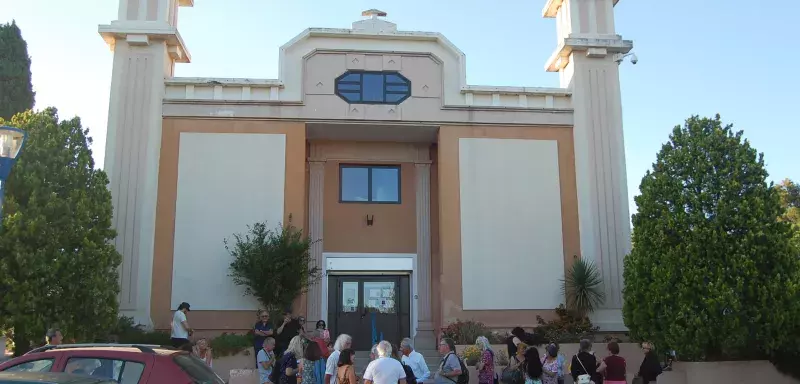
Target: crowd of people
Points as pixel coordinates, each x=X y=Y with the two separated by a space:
x=289 y=354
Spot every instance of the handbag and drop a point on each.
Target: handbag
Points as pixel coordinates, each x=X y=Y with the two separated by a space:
x=585 y=378
x=512 y=375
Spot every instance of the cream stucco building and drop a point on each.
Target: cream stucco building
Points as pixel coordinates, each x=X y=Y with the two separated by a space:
x=419 y=186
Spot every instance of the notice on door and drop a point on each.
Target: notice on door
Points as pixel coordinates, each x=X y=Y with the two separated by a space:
x=349 y=297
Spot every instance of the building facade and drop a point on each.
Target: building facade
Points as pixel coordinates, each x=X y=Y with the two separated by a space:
x=429 y=199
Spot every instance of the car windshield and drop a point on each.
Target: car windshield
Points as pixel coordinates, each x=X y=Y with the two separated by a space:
x=197 y=370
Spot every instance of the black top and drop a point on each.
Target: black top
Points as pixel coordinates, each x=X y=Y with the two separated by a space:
x=290 y=330
x=529 y=339
x=588 y=361
x=650 y=368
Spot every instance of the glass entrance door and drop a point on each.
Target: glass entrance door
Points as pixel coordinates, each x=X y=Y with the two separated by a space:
x=370 y=308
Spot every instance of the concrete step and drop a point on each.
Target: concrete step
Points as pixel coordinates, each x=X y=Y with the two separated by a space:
x=432 y=357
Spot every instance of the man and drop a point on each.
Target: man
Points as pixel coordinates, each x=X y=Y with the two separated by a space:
x=266 y=360
x=261 y=331
x=450 y=367
x=54 y=337
x=415 y=361
x=180 y=327
x=290 y=328
x=384 y=369
x=342 y=342
x=373 y=353
x=518 y=335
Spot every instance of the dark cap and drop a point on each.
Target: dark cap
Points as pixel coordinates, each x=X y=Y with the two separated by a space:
x=184 y=305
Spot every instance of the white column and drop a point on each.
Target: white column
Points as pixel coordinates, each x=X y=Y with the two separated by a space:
x=585 y=59
x=316 y=183
x=425 y=337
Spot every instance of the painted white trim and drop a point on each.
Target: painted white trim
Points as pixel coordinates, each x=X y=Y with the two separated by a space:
x=367 y=262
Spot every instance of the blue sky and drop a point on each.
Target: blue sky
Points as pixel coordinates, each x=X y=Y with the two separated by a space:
x=695 y=57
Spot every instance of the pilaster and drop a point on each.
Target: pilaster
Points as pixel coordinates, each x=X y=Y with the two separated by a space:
x=425 y=337
x=585 y=59
x=316 y=194
x=145 y=51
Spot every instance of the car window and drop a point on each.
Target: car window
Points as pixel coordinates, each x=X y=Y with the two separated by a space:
x=124 y=372
x=197 y=370
x=42 y=365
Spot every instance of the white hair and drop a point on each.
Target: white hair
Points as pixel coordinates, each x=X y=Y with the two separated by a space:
x=407 y=343
x=374 y=350
x=483 y=343
x=384 y=349
x=341 y=341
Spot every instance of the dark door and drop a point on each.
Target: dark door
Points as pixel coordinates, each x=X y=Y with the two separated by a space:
x=370 y=308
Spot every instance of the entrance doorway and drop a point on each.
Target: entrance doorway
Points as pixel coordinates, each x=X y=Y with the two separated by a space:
x=370 y=308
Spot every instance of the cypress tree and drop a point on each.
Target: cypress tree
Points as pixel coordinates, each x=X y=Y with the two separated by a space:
x=16 y=90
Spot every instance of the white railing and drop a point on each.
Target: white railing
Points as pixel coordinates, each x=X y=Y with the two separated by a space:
x=516 y=97
x=190 y=88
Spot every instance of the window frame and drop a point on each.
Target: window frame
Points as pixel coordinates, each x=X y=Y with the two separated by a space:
x=50 y=369
x=360 y=83
x=369 y=168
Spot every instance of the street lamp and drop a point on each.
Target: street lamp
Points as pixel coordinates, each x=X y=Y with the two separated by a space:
x=11 y=142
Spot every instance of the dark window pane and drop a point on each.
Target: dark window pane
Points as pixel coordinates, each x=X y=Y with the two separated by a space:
x=385 y=184
x=356 y=77
x=352 y=97
x=355 y=184
x=393 y=78
x=197 y=370
x=43 y=365
x=373 y=87
x=395 y=97
x=397 y=88
x=349 y=87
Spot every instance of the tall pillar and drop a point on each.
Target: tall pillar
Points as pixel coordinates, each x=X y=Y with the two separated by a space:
x=586 y=60
x=316 y=192
x=146 y=46
x=425 y=336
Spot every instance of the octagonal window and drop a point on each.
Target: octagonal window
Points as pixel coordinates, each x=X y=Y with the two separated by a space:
x=373 y=87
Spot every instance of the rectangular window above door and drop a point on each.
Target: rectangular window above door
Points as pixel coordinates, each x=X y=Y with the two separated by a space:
x=370 y=184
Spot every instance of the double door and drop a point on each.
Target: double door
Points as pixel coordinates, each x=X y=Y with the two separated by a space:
x=370 y=308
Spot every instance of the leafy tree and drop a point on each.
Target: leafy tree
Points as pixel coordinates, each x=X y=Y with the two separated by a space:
x=16 y=90
x=274 y=266
x=789 y=193
x=57 y=266
x=711 y=274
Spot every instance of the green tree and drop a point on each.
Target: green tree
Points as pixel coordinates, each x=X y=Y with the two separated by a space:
x=57 y=266
x=274 y=266
x=16 y=90
x=789 y=193
x=711 y=274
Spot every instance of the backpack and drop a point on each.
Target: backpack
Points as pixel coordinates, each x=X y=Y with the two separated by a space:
x=463 y=378
x=410 y=377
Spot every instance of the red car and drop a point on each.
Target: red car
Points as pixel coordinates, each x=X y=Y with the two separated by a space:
x=124 y=363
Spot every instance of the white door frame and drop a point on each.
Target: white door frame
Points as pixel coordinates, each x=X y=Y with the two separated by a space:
x=341 y=263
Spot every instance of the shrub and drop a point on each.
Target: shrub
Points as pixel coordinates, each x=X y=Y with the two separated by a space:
x=583 y=287
x=229 y=344
x=274 y=266
x=712 y=272
x=128 y=332
x=471 y=355
x=569 y=327
x=501 y=358
x=466 y=332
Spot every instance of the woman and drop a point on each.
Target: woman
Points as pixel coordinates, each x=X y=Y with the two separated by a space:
x=532 y=367
x=584 y=362
x=202 y=351
x=613 y=367
x=513 y=374
x=550 y=365
x=346 y=373
x=289 y=364
x=650 y=368
x=485 y=366
x=312 y=367
x=323 y=331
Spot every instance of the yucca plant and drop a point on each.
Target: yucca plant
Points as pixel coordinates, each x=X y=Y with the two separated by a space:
x=583 y=287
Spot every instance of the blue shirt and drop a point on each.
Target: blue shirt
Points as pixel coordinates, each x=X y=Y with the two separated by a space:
x=258 y=340
x=263 y=373
x=560 y=360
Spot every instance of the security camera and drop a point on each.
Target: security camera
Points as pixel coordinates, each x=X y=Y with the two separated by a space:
x=621 y=58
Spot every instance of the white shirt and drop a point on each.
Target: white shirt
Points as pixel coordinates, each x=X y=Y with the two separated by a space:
x=384 y=370
x=178 y=331
x=417 y=363
x=331 y=365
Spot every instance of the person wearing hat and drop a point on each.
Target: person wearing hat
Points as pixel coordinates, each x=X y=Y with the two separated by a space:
x=180 y=327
